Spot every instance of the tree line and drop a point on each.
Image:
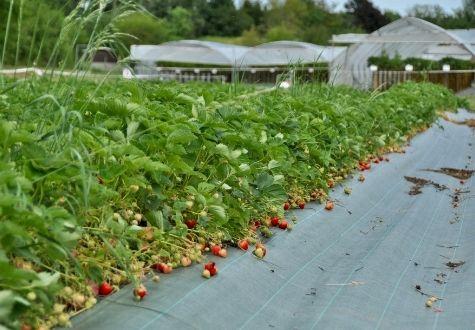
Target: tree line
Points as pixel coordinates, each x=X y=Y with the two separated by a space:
x=34 y=25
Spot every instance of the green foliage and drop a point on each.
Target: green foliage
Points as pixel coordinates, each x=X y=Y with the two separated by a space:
x=144 y=29
x=366 y=15
x=35 y=26
x=180 y=21
x=281 y=32
x=34 y=32
x=384 y=62
x=461 y=18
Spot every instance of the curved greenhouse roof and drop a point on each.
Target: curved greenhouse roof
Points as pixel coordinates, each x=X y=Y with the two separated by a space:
x=189 y=51
x=289 y=52
x=408 y=37
x=279 y=53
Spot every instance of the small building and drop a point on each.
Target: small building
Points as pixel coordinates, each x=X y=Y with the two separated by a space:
x=104 y=59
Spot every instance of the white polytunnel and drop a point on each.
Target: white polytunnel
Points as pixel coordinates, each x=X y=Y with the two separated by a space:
x=189 y=51
x=406 y=37
x=280 y=53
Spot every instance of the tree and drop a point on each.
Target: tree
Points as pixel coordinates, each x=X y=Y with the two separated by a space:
x=392 y=15
x=366 y=15
x=253 y=10
x=180 y=22
x=33 y=36
x=251 y=37
x=281 y=32
x=145 y=29
x=463 y=18
x=432 y=13
x=222 y=18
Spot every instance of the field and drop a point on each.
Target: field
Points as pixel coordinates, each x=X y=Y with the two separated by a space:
x=103 y=184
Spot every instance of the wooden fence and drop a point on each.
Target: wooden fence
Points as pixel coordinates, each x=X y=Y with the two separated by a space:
x=456 y=80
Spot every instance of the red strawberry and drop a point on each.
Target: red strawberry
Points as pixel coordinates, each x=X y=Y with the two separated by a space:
x=275 y=221
x=330 y=183
x=283 y=225
x=140 y=292
x=213 y=271
x=215 y=250
x=105 y=289
x=301 y=205
x=211 y=267
x=381 y=158
x=367 y=166
x=329 y=206
x=162 y=267
x=167 y=269
x=255 y=225
x=191 y=223
x=286 y=206
x=158 y=267
x=376 y=161
x=243 y=245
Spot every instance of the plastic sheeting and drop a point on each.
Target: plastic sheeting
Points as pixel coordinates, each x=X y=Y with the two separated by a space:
x=279 y=53
x=289 y=52
x=407 y=37
x=337 y=270
x=189 y=51
x=467 y=35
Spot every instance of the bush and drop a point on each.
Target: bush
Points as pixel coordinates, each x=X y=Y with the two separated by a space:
x=384 y=62
x=144 y=29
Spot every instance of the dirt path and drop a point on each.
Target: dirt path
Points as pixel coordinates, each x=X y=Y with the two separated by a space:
x=373 y=268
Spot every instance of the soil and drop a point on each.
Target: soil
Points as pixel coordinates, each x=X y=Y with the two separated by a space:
x=440 y=278
x=419 y=183
x=460 y=174
x=454 y=264
x=468 y=122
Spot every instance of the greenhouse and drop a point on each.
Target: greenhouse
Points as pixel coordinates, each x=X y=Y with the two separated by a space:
x=190 y=52
x=212 y=61
x=281 y=53
x=406 y=37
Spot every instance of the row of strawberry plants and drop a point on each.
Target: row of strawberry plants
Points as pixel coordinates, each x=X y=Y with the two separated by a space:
x=101 y=185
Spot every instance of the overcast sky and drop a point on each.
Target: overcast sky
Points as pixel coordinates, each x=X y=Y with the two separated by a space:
x=402 y=5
